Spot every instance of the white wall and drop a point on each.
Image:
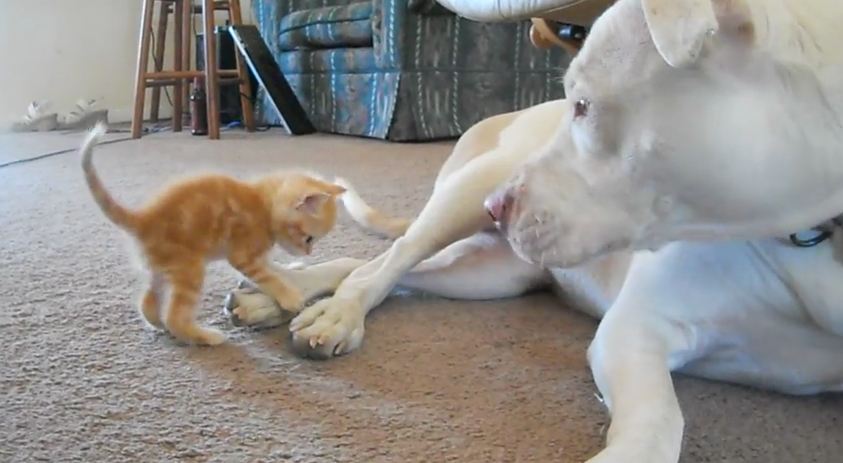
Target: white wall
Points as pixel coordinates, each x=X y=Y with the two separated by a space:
x=64 y=50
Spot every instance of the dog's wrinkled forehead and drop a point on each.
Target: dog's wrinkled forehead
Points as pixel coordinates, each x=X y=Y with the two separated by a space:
x=619 y=52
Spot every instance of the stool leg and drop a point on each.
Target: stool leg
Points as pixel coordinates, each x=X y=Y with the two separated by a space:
x=242 y=72
x=158 y=57
x=212 y=84
x=187 y=18
x=143 y=61
x=178 y=12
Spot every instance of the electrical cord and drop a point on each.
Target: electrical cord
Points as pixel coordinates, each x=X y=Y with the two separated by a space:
x=159 y=64
x=71 y=150
x=54 y=153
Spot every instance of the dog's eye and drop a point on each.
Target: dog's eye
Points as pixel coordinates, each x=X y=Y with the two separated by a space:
x=309 y=239
x=581 y=107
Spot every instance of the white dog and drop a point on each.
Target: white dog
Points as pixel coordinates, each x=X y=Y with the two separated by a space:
x=685 y=120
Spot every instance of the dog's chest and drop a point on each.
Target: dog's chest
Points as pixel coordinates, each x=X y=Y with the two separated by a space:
x=816 y=278
x=582 y=291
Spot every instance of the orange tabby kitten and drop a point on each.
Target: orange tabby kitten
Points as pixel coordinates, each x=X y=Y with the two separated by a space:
x=214 y=216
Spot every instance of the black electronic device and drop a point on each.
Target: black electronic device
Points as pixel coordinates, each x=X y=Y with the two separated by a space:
x=248 y=40
x=230 y=109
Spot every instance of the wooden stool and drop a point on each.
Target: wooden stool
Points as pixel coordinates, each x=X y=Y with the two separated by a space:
x=545 y=33
x=180 y=75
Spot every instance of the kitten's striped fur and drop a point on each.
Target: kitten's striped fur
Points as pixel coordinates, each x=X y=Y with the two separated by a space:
x=215 y=216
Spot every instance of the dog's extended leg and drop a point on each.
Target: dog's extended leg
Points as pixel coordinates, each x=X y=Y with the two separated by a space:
x=455 y=210
x=479 y=267
x=248 y=306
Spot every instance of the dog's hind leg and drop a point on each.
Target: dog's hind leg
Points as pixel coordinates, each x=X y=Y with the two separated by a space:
x=480 y=267
x=779 y=353
x=334 y=326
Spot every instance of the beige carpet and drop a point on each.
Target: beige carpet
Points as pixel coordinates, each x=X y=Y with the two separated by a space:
x=436 y=380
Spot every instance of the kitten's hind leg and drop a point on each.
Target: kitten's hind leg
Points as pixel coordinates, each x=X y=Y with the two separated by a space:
x=150 y=306
x=186 y=283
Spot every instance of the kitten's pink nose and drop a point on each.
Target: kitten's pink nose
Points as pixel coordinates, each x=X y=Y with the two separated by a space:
x=499 y=205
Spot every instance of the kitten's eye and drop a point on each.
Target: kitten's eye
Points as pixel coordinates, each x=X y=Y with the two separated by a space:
x=309 y=239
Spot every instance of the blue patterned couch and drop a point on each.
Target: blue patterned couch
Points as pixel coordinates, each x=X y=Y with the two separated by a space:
x=403 y=70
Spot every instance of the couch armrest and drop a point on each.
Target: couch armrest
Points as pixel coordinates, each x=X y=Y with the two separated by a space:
x=268 y=14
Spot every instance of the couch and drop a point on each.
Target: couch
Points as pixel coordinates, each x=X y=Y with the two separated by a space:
x=403 y=70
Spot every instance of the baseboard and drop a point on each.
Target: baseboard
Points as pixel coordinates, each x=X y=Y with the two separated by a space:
x=120 y=115
x=115 y=116
x=124 y=115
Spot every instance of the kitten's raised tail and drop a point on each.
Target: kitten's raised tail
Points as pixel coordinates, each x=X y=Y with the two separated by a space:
x=369 y=217
x=118 y=214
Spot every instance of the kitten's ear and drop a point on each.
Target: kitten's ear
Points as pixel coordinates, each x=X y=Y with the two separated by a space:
x=311 y=203
x=332 y=188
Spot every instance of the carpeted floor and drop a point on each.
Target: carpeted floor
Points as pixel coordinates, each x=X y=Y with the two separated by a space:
x=436 y=380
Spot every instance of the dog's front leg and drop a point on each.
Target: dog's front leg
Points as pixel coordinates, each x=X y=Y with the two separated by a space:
x=631 y=360
x=335 y=325
x=247 y=306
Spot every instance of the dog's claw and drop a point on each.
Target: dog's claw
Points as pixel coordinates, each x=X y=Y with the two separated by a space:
x=230 y=303
x=230 y=306
x=247 y=287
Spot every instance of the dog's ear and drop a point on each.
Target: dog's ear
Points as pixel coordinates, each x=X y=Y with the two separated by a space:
x=679 y=28
x=735 y=18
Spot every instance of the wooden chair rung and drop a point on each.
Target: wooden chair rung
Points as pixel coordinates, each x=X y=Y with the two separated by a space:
x=163 y=83
x=184 y=12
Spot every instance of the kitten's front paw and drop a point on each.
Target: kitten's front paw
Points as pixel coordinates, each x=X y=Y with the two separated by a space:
x=210 y=337
x=293 y=303
x=154 y=322
x=197 y=335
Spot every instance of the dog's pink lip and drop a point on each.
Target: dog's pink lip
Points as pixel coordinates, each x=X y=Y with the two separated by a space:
x=491 y=215
x=499 y=206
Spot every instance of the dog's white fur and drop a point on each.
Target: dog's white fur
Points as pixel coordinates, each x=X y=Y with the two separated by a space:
x=741 y=142
x=761 y=312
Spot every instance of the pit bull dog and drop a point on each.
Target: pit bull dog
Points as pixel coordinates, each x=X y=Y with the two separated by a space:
x=694 y=135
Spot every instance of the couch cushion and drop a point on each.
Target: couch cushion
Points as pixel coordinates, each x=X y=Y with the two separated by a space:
x=328 y=61
x=341 y=26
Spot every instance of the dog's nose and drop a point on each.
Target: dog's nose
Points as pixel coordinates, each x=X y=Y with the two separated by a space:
x=498 y=205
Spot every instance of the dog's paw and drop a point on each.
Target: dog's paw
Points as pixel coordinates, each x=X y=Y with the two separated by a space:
x=246 y=284
x=635 y=453
x=328 y=328
x=249 y=307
